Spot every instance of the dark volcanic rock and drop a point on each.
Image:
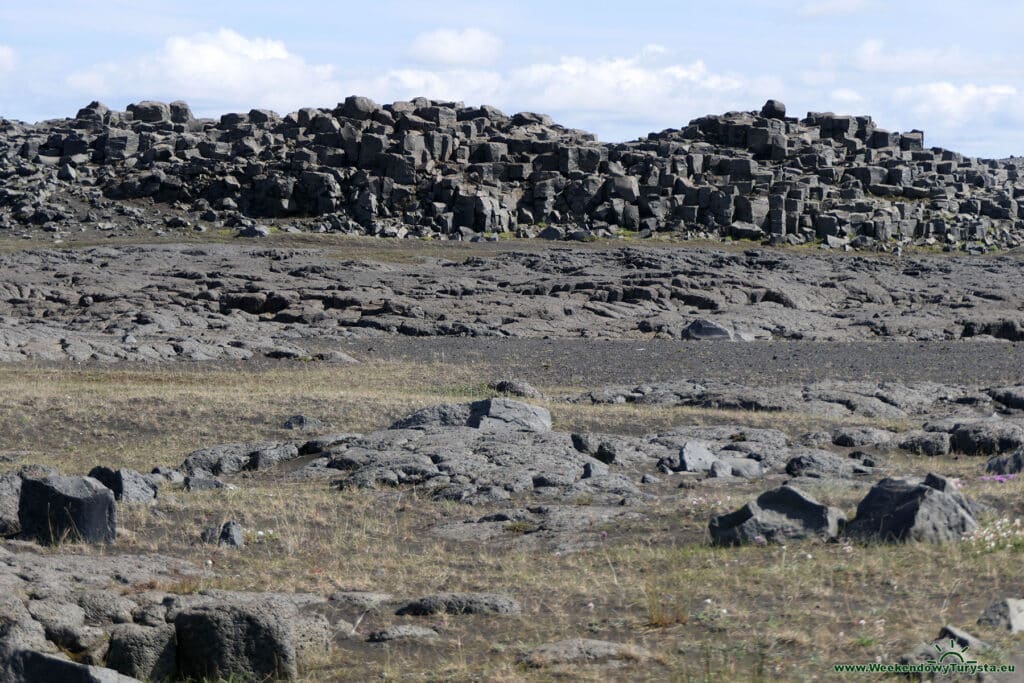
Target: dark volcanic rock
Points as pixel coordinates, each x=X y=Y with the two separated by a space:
x=775 y=517
x=461 y=603
x=1012 y=463
x=824 y=465
x=128 y=485
x=491 y=415
x=60 y=508
x=144 y=652
x=220 y=640
x=987 y=437
x=931 y=510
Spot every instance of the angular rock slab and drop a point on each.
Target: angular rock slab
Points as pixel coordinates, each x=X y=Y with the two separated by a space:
x=491 y=415
x=928 y=511
x=1006 y=614
x=776 y=516
x=60 y=508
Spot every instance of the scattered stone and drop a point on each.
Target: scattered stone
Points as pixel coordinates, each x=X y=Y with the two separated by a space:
x=461 y=603
x=403 y=632
x=203 y=483
x=824 y=465
x=301 y=422
x=776 y=516
x=361 y=600
x=513 y=387
x=1011 y=463
x=707 y=329
x=858 y=437
x=583 y=651
x=230 y=535
x=254 y=231
x=1007 y=615
x=925 y=443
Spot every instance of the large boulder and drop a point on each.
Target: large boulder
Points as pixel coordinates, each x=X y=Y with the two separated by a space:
x=931 y=510
x=693 y=456
x=259 y=636
x=221 y=639
x=987 y=437
x=29 y=666
x=150 y=112
x=775 y=517
x=59 y=508
x=773 y=109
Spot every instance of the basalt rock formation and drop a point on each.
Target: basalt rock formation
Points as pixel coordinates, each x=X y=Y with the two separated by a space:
x=442 y=170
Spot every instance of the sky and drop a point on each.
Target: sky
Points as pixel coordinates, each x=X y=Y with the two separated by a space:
x=618 y=69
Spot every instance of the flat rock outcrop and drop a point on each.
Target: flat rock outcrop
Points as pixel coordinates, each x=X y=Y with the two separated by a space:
x=225 y=302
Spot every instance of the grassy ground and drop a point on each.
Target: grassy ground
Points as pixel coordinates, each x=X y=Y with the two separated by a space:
x=704 y=613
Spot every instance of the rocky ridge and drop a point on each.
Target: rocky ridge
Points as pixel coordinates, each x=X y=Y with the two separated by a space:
x=442 y=170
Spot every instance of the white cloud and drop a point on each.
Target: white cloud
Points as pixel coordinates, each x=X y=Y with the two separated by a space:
x=873 y=56
x=7 y=59
x=214 y=69
x=614 y=96
x=831 y=8
x=948 y=105
x=847 y=96
x=456 y=48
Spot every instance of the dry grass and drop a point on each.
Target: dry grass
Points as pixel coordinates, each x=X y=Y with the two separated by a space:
x=707 y=614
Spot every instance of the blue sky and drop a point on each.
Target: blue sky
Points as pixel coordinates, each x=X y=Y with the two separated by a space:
x=954 y=69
